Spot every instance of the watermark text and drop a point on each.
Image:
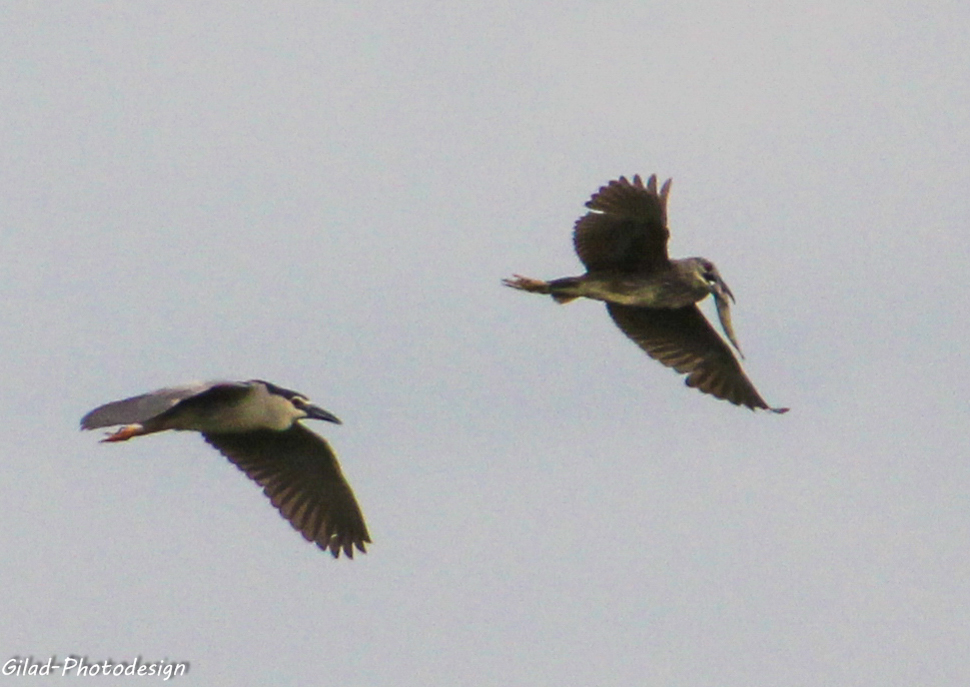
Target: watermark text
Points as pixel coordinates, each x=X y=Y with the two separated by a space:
x=81 y=666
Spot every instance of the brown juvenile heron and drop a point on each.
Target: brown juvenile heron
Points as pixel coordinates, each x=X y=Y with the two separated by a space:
x=255 y=425
x=622 y=242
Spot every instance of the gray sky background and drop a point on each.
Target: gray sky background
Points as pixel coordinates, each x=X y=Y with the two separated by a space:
x=326 y=195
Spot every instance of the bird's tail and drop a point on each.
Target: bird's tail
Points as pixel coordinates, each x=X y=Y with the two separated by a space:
x=561 y=290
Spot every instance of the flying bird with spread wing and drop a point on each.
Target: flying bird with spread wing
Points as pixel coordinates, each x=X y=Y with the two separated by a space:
x=653 y=299
x=256 y=425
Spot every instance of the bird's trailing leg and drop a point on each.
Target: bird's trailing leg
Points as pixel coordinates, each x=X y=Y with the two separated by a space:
x=526 y=284
x=125 y=433
x=555 y=288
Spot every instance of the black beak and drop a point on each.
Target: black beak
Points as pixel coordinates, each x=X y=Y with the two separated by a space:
x=720 y=289
x=318 y=413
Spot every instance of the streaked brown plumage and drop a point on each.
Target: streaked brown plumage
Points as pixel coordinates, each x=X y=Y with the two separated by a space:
x=622 y=242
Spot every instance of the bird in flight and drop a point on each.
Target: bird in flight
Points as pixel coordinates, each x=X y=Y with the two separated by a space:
x=653 y=299
x=255 y=425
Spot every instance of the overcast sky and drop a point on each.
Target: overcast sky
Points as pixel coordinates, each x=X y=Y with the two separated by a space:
x=328 y=194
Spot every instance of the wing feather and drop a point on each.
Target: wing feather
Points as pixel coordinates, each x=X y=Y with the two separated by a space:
x=626 y=229
x=139 y=409
x=683 y=339
x=300 y=474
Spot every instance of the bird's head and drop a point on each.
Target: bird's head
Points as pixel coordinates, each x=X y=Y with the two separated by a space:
x=302 y=407
x=706 y=273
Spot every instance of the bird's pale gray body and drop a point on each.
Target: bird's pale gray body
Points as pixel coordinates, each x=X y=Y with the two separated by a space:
x=255 y=424
x=622 y=242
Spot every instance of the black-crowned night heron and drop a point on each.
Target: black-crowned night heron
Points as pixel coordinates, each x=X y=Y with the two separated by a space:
x=622 y=242
x=255 y=424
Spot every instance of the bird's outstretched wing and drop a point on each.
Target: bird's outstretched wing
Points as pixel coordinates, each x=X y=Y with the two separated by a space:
x=138 y=409
x=299 y=473
x=626 y=229
x=683 y=339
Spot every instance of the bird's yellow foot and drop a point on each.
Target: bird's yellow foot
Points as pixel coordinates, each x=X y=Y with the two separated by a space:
x=124 y=434
x=527 y=284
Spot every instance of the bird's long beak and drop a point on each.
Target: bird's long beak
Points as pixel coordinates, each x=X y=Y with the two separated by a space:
x=318 y=413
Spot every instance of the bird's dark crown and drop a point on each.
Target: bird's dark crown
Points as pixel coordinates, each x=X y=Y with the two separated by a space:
x=295 y=397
